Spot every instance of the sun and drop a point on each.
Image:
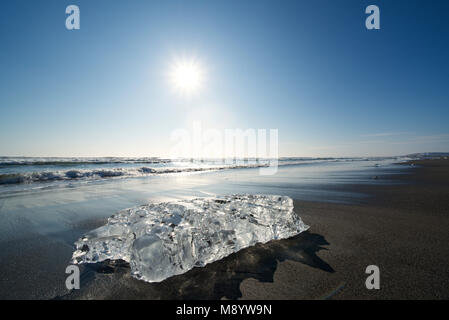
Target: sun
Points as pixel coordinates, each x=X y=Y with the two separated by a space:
x=187 y=76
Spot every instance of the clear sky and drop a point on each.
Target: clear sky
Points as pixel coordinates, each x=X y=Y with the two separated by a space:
x=310 y=69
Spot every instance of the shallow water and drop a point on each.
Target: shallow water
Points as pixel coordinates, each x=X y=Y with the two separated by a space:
x=54 y=208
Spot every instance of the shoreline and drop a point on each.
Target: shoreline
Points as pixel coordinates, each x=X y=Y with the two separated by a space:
x=400 y=224
x=402 y=228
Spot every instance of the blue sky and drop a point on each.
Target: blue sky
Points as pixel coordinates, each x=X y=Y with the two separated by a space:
x=309 y=69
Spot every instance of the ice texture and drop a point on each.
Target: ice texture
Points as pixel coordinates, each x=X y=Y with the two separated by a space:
x=160 y=240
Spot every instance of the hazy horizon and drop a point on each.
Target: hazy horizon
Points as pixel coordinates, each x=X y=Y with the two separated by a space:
x=444 y=153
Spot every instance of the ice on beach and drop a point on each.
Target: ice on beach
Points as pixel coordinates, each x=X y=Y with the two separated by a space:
x=160 y=240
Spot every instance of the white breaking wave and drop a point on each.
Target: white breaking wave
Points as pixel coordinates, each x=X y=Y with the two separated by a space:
x=77 y=174
x=44 y=161
x=166 y=239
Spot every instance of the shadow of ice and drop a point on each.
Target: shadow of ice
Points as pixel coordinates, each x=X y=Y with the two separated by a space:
x=217 y=280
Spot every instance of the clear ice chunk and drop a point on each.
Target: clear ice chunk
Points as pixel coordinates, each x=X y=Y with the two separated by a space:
x=160 y=240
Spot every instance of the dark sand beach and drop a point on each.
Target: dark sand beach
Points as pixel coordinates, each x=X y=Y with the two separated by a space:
x=402 y=228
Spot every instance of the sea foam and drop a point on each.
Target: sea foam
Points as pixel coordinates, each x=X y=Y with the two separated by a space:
x=160 y=240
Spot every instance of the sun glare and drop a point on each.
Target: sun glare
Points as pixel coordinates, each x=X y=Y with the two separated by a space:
x=187 y=76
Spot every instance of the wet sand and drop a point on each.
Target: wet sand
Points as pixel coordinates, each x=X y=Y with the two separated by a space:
x=402 y=228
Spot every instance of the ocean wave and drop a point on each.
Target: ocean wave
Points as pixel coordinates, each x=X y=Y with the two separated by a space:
x=6 y=162
x=32 y=161
x=78 y=174
x=136 y=167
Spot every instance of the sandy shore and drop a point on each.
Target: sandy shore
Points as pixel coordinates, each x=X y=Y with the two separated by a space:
x=402 y=228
